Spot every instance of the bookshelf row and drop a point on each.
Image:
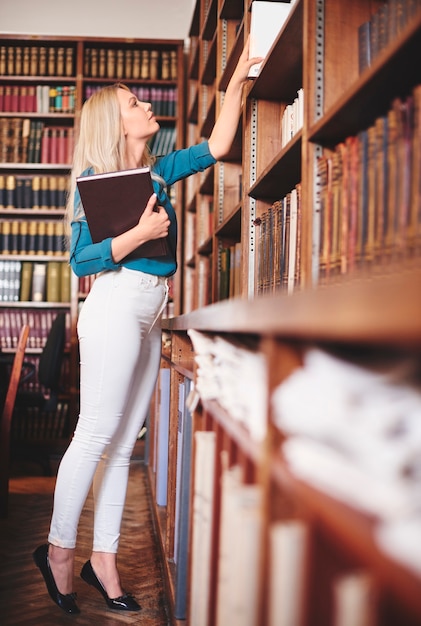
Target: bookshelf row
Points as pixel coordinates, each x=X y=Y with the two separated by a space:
x=37 y=98
x=25 y=140
x=33 y=281
x=37 y=60
x=105 y=61
x=162 y=99
x=150 y=64
x=46 y=99
x=39 y=320
x=386 y=23
x=26 y=237
x=43 y=426
x=369 y=193
x=33 y=192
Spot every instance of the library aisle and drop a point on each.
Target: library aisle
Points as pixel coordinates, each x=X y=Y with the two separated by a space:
x=23 y=598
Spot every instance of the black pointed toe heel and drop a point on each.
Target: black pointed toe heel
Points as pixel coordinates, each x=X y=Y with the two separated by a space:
x=126 y=602
x=67 y=602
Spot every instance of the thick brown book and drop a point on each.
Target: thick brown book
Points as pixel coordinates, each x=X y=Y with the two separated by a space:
x=113 y=203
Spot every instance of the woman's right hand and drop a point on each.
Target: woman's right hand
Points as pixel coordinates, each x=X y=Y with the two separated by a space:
x=153 y=224
x=154 y=221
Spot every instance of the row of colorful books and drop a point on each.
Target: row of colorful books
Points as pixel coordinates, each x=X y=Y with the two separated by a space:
x=32 y=281
x=39 y=321
x=37 y=98
x=279 y=240
x=369 y=192
x=36 y=60
x=162 y=99
x=23 y=140
x=33 y=192
x=128 y=63
x=375 y=34
x=46 y=237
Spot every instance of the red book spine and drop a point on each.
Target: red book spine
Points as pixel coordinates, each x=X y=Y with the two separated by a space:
x=32 y=99
x=62 y=145
x=23 y=100
x=7 y=98
x=14 y=102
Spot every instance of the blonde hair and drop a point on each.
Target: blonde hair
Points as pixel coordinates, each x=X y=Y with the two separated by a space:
x=101 y=142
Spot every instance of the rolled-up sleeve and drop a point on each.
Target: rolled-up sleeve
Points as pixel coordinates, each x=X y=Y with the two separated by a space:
x=182 y=163
x=87 y=257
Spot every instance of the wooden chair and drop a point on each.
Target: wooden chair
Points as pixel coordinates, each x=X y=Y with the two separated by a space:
x=6 y=419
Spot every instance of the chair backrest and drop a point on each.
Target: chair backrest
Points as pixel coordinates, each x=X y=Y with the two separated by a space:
x=50 y=361
x=6 y=418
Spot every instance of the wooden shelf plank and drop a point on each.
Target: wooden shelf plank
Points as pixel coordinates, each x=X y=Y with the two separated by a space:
x=352 y=310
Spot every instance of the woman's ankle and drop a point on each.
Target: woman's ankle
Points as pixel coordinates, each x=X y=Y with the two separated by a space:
x=104 y=565
x=62 y=567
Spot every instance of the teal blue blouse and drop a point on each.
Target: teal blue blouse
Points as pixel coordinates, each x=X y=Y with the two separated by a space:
x=91 y=258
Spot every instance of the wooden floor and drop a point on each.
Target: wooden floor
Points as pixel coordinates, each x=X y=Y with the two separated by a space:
x=23 y=597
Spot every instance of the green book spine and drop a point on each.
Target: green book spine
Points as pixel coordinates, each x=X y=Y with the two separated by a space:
x=65 y=283
x=26 y=281
x=53 y=281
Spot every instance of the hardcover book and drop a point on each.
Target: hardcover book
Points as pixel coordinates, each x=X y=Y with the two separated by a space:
x=267 y=20
x=113 y=203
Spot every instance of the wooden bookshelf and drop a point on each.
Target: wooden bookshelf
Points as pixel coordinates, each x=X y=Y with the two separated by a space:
x=44 y=81
x=368 y=313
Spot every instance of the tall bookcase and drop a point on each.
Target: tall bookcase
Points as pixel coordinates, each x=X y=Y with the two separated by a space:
x=44 y=81
x=272 y=539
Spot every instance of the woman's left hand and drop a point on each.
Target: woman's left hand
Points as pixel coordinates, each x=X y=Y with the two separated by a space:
x=244 y=64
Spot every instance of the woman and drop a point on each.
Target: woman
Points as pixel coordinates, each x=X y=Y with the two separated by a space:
x=119 y=331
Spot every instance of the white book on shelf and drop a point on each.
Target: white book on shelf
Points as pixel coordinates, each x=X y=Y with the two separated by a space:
x=39 y=277
x=203 y=497
x=354 y=600
x=266 y=22
x=287 y=548
x=239 y=551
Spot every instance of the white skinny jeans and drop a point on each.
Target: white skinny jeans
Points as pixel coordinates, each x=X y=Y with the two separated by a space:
x=120 y=348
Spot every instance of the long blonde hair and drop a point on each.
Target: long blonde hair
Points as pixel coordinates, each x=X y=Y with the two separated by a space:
x=101 y=142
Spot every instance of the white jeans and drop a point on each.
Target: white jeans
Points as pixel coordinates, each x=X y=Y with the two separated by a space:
x=120 y=348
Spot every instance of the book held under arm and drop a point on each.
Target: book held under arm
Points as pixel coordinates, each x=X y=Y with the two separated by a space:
x=113 y=203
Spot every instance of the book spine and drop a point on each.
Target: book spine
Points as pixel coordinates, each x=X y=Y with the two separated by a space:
x=39 y=276
x=53 y=289
x=26 y=281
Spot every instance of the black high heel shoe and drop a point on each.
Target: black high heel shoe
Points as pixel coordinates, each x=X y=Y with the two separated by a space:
x=126 y=602
x=67 y=602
